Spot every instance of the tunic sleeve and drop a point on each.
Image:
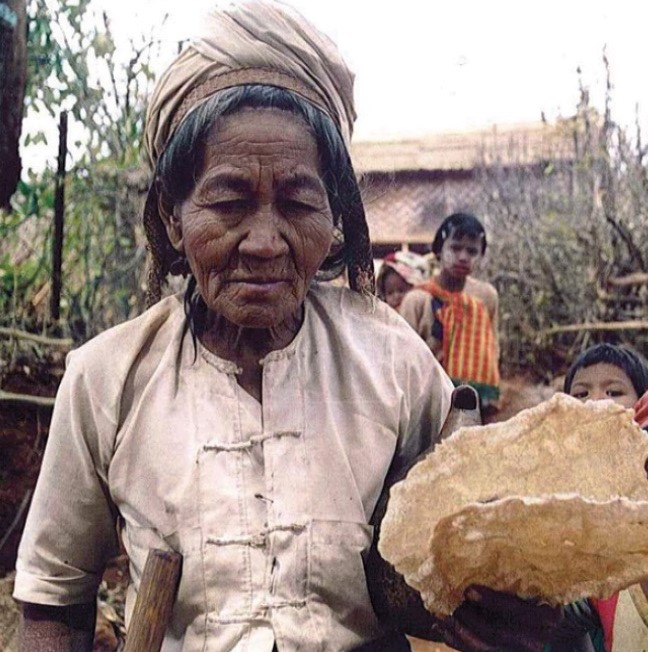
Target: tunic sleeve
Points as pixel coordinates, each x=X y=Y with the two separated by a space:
x=70 y=531
x=426 y=405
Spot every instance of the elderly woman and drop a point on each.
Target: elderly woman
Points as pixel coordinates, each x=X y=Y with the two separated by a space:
x=252 y=424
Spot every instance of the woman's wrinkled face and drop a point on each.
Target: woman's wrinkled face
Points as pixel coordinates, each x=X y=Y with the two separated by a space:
x=603 y=381
x=257 y=225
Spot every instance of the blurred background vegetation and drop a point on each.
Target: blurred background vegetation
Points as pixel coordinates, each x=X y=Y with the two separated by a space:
x=568 y=240
x=569 y=244
x=72 y=67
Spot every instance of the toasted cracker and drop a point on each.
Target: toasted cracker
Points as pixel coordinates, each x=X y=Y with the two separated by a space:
x=595 y=549
x=592 y=450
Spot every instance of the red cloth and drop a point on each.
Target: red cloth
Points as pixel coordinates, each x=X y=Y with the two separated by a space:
x=641 y=410
x=606 y=611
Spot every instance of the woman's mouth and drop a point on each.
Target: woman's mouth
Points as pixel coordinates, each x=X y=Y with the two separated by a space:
x=260 y=280
x=261 y=286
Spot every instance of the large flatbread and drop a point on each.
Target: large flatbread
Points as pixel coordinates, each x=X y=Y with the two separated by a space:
x=595 y=549
x=561 y=455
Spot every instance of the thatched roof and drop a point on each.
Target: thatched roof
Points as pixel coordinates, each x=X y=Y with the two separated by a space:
x=515 y=144
x=411 y=185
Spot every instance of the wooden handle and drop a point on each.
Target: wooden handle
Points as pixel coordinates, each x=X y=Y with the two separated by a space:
x=154 y=604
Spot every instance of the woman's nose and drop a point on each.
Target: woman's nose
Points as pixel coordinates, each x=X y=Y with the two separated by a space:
x=263 y=238
x=597 y=394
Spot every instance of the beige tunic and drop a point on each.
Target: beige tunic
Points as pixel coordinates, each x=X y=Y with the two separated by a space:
x=268 y=503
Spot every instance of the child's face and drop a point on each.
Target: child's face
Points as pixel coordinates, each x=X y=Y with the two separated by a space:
x=395 y=287
x=459 y=256
x=602 y=380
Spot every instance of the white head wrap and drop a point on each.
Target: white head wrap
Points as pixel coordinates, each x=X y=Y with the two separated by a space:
x=251 y=42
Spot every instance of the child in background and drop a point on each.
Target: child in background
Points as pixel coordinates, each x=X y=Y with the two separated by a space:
x=399 y=273
x=455 y=313
x=608 y=371
x=620 y=374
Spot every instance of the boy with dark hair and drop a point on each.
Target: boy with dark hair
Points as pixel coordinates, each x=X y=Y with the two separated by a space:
x=620 y=374
x=455 y=313
x=607 y=371
x=459 y=225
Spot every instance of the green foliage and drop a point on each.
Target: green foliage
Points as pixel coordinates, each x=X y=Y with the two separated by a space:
x=75 y=65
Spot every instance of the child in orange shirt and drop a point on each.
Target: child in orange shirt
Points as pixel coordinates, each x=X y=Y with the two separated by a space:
x=455 y=313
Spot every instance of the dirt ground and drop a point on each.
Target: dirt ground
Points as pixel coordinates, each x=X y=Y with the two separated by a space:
x=23 y=433
x=8 y=615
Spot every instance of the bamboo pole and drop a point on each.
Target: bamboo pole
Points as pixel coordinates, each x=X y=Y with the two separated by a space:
x=638 y=278
x=59 y=213
x=27 y=399
x=597 y=326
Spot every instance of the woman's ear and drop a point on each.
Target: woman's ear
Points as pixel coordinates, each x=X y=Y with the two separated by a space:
x=169 y=214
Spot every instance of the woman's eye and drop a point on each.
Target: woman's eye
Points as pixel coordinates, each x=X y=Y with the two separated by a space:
x=580 y=395
x=230 y=205
x=295 y=206
x=615 y=392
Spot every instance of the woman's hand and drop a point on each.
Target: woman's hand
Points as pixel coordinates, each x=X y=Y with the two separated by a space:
x=45 y=628
x=490 y=621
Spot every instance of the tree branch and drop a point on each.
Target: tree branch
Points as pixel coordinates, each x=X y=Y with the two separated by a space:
x=597 y=326
x=27 y=399
x=14 y=333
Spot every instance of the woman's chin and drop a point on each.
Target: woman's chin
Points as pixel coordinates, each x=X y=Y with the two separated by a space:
x=261 y=316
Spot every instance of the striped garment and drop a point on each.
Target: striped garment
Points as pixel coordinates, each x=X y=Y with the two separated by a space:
x=464 y=327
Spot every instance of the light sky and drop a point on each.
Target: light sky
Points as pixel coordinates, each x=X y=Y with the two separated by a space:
x=430 y=66
x=425 y=66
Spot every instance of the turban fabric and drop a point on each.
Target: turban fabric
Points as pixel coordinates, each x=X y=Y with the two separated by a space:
x=414 y=269
x=252 y=43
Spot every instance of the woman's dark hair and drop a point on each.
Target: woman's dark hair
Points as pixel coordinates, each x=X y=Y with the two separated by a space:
x=632 y=363
x=459 y=225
